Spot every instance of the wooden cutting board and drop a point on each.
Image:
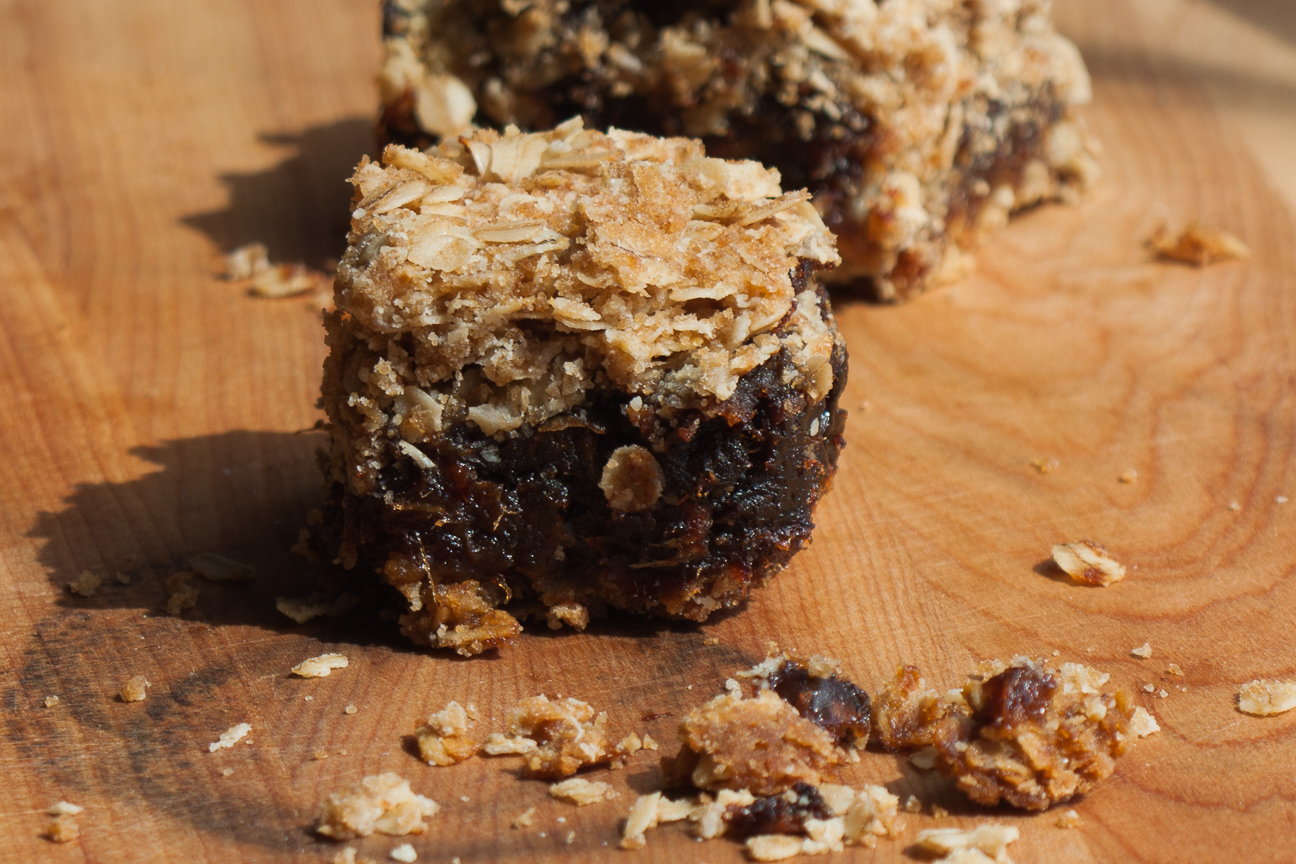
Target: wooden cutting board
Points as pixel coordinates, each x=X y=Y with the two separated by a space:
x=152 y=411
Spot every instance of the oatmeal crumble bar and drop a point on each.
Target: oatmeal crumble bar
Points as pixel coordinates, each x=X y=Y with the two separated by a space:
x=589 y=370
x=382 y=803
x=918 y=125
x=1024 y=732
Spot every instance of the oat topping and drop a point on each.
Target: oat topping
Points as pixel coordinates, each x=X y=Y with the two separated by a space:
x=444 y=739
x=1197 y=245
x=321 y=666
x=537 y=275
x=1024 y=732
x=383 y=803
x=580 y=791
x=230 y=737
x=1263 y=698
x=135 y=689
x=85 y=585
x=1088 y=562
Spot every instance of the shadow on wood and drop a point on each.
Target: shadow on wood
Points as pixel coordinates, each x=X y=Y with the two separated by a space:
x=300 y=207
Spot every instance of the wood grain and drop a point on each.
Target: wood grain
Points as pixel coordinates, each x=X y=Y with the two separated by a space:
x=152 y=411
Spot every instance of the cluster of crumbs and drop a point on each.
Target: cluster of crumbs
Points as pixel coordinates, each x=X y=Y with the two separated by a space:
x=580 y=791
x=383 y=803
x=1023 y=733
x=556 y=738
x=250 y=263
x=444 y=739
x=980 y=845
x=762 y=762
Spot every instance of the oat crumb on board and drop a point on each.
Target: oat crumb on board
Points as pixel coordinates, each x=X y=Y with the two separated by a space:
x=227 y=772
x=1045 y=465
x=1197 y=245
x=51 y=701
x=939 y=812
x=350 y=709
x=1088 y=562
x=444 y=739
x=1263 y=698
x=1069 y=819
x=218 y=568
x=1174 y=669
x=230 y=737
x=135 y=689
x=404 y=853
x=912 y=804
x=321 y=666
x=303 y=609
x=525 y=819
x=85 y=585
x=1129 y=476
x=1142 y=723
x=580 y=791
x=990 y=840
x=382 y=803
x=1144 y=650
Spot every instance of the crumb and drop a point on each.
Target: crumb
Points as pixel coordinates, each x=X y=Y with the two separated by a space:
x=85 y=585
x=65 y=808
x=464 y=798
x=62 y=828
x=308 y=698
x=1142 y=723
x=383 y=803
x=404 y=853
x=350 y=709
x=1235 y=506
x=218 y=568
x=316 y=605
x=924 y=759
x=1280 y=499
x=574 y=615
x=134 y=690
x=990 y=840
x=939 y=812
x=180 y=594
x=525 y=819
x=631 y=744
x=1045 y=465
x=321 y=666
x=230 y=737
x=444 y=739
x=1149 y=688
x=1263 y=698
x=1162 y=693
x=649 y=743
x=1069 y=819
x=1023 y=732
x=1197 y=245
x=345 y=856
x=319 y=755
x=226 y=772
x=710 y=640
x=570 y=838
x=51 y=701
x=1174 y=669
x=1129 y=476
x=581 y=792
x=1088 y=562
x=912 y=804
x=1144 y=651
x=123 y=578
x=248 y=260
x=287 y=280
